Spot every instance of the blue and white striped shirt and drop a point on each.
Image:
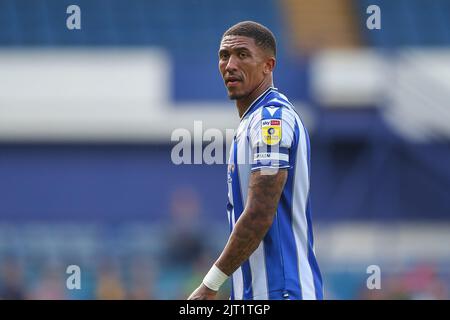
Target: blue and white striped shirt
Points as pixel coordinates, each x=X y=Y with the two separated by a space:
x=284 y=266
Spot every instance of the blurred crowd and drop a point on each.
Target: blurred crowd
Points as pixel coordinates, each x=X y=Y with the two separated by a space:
x=158 y=260
x=172 y=275
x=177 y=272
x=168 y=259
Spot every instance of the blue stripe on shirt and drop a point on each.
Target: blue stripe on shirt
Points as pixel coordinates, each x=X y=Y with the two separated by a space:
x=238 y=209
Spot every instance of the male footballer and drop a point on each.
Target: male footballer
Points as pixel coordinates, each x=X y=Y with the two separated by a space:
x=270 y=251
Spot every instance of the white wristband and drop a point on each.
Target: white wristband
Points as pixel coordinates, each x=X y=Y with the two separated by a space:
x=214 y=278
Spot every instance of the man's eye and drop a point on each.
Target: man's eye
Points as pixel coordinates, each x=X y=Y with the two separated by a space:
x=242 y=54
x=223 y=56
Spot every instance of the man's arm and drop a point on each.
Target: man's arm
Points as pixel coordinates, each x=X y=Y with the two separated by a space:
x=264 y=192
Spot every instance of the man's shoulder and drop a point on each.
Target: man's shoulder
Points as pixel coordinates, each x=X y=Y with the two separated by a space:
x=276 y=98
x=274 y=106
x=274 y=115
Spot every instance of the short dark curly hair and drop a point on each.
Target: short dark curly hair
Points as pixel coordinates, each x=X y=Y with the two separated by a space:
x=263 y=37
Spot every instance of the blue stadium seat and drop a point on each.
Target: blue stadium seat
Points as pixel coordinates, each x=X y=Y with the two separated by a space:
x=409 y=23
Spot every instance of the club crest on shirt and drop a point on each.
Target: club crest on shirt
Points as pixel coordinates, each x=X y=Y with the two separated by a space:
x=271 y=131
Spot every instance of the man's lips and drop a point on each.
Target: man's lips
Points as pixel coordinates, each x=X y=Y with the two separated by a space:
x=232 y=81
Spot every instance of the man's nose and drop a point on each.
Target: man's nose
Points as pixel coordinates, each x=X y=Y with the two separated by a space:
x=231 y=64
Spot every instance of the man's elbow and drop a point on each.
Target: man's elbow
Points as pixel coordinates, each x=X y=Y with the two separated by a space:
x=263 y=219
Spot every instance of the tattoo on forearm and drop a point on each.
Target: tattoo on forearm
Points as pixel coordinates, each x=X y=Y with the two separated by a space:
x=263 y=195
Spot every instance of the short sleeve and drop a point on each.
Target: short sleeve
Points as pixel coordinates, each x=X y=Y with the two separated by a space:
x=271 y=134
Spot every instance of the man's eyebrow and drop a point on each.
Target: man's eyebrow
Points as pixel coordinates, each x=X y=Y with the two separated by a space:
x=241 y=49
x=235 y=49
x=223 y=51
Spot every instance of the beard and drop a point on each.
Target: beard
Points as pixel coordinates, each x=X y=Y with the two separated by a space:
x=236 y=95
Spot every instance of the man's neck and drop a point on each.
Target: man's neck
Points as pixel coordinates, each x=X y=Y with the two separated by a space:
x=245 y=103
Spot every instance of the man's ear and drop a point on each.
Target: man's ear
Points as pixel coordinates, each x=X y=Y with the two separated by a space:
x=269 y=65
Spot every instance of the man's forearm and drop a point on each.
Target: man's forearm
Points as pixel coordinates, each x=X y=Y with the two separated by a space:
x=263 y=195
x=244 y=240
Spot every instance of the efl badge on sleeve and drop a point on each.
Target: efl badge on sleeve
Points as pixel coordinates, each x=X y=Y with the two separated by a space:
x=271 y=131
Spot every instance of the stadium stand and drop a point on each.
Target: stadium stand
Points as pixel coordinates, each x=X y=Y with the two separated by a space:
x=375 y=101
